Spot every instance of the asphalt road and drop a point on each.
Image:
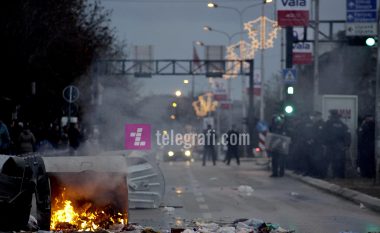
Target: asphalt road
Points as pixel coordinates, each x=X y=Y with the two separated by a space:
x=211 y=193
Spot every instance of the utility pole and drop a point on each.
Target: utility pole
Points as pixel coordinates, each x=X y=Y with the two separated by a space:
x=316 y=101
x=251 y=112
x=289 y=47
x=377 y=108
x=262 y=94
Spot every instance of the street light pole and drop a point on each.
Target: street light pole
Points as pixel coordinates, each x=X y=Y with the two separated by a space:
x=377 y=109
x=316 y=102
x=229 y=42
x=262 y=94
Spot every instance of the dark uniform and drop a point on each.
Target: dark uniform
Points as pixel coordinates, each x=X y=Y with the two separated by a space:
x=306 y=141
x=209 y=147
x=278 y=159
x=232 y=145
x=336 y=140
x=319 y=155
x=366 y=148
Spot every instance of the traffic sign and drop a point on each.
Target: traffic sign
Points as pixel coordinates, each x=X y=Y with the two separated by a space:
x=361 y=5
x=71 y=93
x=290 y=75
x=361 y=29
x=361 y=17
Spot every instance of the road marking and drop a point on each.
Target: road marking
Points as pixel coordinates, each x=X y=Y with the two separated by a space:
x=200 y=199
x=203 y=207
x=199 y=194
x=207 y=215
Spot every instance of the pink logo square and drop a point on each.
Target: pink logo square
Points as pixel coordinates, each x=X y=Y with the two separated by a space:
x=137 y=137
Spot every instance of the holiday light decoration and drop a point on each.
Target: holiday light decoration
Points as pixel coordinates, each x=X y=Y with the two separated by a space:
x=262 y=32
x=204 y=105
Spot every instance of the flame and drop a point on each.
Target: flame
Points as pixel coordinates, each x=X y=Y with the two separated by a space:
x=82 y=218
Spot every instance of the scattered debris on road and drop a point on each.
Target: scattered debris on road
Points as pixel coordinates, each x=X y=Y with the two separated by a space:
x=245 y=190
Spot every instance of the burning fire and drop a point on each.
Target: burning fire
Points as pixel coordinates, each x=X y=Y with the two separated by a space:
x=83 y=217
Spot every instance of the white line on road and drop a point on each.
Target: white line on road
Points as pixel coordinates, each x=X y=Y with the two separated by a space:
x=198 y=194
x=200 y=199
x=203 y=207
x=207 y=215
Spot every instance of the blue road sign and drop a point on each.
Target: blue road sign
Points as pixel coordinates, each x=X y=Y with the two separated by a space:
x=361 y=11
x=289 y=75
x=262 y=126
x=361 y=16
x=361 y=5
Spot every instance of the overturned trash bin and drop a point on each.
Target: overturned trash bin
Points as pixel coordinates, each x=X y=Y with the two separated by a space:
x=87 y=192
x=20 y=178
x=146 y=183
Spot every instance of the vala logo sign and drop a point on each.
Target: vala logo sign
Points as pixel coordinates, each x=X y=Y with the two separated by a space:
x=303 y=53
x=293 y=4
x=303 y=47
x=293 y=12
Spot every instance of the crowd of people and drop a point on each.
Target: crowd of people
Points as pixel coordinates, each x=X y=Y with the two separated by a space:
x=21 y=138
x=318 y=146
x=232 y=149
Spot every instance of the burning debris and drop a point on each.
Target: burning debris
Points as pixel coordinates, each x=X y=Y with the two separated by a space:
x=83 y=216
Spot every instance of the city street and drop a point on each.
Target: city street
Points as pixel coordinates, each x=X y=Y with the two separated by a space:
x=211 y=193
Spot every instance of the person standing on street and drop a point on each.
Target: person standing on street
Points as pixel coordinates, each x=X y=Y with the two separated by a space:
x=5 y=139
x=74 y=136
x=366 y=145
x=232 y=145
x=319 y=156
x=209 y=147
x=305 y=165
x=337 y=139
x=278 y=158
x=26 y=141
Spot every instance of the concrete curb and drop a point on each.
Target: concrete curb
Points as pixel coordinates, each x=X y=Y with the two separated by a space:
x=369 y=202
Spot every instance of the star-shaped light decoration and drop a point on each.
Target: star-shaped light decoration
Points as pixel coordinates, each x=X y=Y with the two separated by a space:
x=239 y=51
x=204 y=105
x=262 y=32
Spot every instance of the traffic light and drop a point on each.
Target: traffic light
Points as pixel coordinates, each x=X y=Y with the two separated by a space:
x=290 y=90
x=288 y=108
x=173 y=110
x=369 y=41
x=289 y=105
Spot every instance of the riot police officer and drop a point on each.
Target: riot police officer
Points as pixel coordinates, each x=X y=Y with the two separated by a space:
x=319 y=155
x=306 y=143
x=278 y=159
x=336 y=137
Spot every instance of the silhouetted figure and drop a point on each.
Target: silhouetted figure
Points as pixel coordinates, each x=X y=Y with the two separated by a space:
x=5 y=139
x=209 y=147
x=366 y=146
x=233 y=145
x=337 y=141
x=26 y=141
x=74 y=136
x=278 y=158
x=319 y=149
x=306 y=143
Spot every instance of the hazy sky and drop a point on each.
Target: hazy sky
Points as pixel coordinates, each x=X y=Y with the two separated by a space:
x=172 y=25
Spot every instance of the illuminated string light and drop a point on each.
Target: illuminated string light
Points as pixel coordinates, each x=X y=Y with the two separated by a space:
x=264 y=28
x=204 y=105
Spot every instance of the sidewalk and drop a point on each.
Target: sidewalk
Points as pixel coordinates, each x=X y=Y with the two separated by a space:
x=355 y=190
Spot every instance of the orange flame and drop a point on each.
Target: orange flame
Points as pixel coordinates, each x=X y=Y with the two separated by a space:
x=84 y=218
